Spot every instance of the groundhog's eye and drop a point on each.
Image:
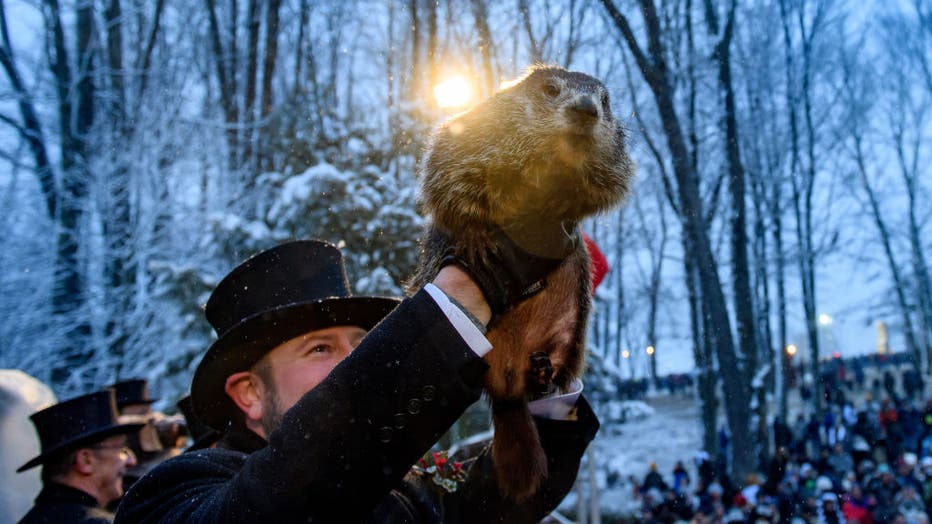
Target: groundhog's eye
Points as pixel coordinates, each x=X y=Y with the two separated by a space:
x=605 y=101
x=551 y=89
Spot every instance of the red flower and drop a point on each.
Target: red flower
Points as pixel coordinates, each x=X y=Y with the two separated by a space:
x=439 y=459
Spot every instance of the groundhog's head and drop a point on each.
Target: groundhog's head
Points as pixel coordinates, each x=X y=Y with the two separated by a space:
x=546 y=145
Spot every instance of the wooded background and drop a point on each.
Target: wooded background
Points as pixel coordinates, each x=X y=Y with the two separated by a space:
x=148 y=146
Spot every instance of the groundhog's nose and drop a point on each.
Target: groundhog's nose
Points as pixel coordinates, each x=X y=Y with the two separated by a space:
x=584 y=107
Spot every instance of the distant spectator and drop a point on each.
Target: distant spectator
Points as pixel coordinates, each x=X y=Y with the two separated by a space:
x=828 y=511
x=840 y=461
x=909 y=503
x=889 y=418
x=857 y=507
x=883 y=488
x=889 y=383
x=653 y=480
x=910 y=426
x=705 y=468
x=751 y=488
x=782 y=436
x=912 y=383
x=776 y=470
x=680 y=478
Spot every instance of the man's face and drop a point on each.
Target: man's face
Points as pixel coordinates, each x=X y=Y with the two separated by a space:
x=298 y=365
x=112 y=457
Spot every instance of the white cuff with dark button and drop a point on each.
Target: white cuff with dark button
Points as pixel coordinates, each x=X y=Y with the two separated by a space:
x=557 y=406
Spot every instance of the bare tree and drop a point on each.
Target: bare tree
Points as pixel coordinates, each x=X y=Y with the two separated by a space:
x=803 y=174
x=524 y=11
x=859 y=92
x=480 y=14
x=656 y=72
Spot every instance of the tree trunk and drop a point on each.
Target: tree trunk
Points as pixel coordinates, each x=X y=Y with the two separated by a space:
x=899 y=283
x=76 y=114
x=744 y=307
x=657 y=257
x=264 y=155
x=802 y=202
x=655 y=71
x=786 y=362
x=414 y=82
x=297 y=76
x=248 y=133
x=707 y=379
x=524 y=10
x=117 y=222
x=226 y=78
x=619 y=286
x=909 y=173
x=432 y=69
x=481 y=14
x=31 y=129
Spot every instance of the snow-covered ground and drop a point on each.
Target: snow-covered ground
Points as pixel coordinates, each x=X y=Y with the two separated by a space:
x=662 y=429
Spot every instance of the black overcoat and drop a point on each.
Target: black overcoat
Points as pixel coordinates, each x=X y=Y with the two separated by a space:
x=60 y=504
x=344 y=451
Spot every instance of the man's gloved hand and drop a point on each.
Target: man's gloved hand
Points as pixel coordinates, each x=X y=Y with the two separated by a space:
x=523 y=255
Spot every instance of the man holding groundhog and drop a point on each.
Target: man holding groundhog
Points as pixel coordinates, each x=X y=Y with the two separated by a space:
x=326 y=400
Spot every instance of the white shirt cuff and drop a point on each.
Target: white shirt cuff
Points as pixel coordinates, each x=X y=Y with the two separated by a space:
x=557 y=406
x=463 y=325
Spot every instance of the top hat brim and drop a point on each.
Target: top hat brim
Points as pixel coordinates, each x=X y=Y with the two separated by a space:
x=247 y=342
x=80 y=441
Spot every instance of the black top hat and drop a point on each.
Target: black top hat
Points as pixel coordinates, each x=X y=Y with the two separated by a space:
x=202 y=434
x=275 y=296
x=76 y=423
x=132 y=391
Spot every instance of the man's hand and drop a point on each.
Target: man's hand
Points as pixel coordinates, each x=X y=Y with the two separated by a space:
x=522 y=256
x=459 y=286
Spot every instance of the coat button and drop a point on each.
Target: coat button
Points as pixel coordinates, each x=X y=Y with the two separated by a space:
x=385 y=434
x=428 y=393
x=414 y=406
x=400 y=420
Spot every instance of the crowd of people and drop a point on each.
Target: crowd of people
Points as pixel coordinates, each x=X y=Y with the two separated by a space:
x=298 y=415
x=866 y=458
x=96 y=446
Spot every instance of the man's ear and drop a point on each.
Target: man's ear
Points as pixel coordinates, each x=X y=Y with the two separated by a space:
x=84 y=461
x=245 y=390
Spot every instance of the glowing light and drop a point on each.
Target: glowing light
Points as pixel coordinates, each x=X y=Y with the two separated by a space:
x=836 y=354
x=825 y=319
x=509 y=83
x=791 y=349
x=453 y=92
x=626 y=353
x=650 y=350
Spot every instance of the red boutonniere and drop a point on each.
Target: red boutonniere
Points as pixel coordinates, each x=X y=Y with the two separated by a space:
x=445 y=474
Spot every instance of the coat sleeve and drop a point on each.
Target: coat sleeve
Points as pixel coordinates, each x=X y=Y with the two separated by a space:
x=564 y=442
x=343 y=446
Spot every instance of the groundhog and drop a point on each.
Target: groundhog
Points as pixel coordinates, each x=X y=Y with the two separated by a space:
x=544 y=153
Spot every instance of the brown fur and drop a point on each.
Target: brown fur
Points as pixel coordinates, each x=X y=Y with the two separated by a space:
x=526 y=155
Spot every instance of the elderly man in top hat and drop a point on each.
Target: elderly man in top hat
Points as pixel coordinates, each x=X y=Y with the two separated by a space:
x=326 y=400
x=83 y=458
